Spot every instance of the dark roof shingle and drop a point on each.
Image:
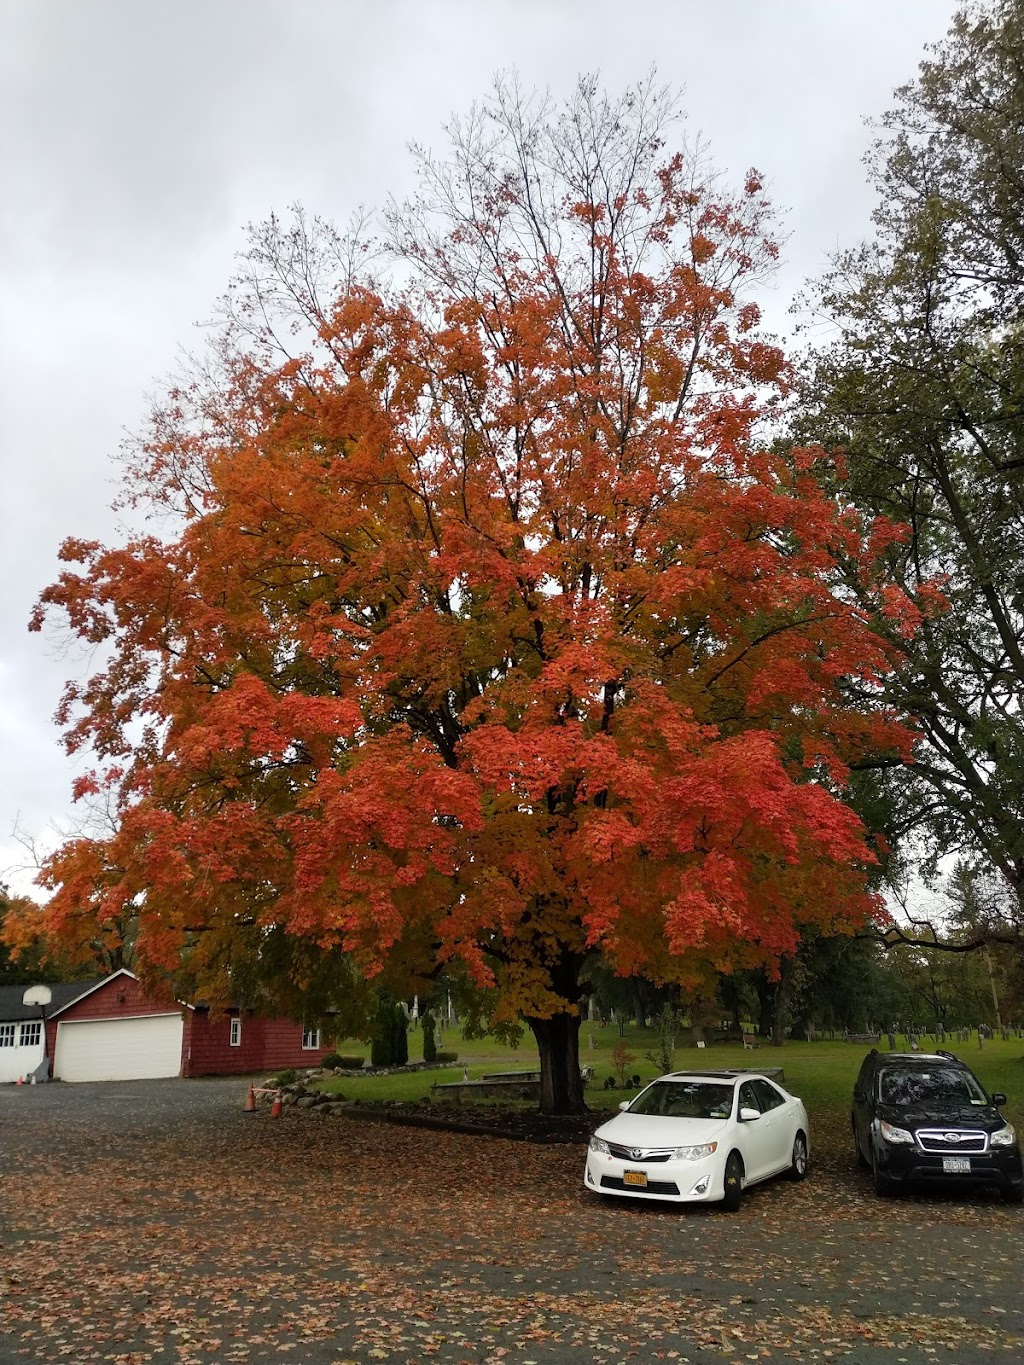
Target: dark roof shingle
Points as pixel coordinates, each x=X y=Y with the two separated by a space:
x=63 y=992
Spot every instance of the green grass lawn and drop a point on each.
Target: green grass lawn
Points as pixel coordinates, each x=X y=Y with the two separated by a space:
x=821 y=1073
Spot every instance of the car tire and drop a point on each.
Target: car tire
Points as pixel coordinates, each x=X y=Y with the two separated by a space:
x=862 y=1160
x=1012 y=1194
x=733 y=1182
x=884 y=1184
x=798 y=1163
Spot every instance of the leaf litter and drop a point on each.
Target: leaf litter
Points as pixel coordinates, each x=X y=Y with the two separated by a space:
x=225 y=1238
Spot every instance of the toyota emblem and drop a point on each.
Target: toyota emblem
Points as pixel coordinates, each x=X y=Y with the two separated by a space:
x=636 y=1153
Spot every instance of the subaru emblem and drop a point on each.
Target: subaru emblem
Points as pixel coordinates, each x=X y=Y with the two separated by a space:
x=952 y=1137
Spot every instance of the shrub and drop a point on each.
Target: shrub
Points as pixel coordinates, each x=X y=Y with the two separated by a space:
x=337 y=1059
x=442 y=1057
x=382 y=1045
x=399 y=1037
x=622 y=1060
x=288 y=1077
x=429 y=1039
x=668 y=1029
x=390 y=1043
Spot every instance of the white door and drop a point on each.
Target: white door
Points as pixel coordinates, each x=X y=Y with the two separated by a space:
x=118 y=1049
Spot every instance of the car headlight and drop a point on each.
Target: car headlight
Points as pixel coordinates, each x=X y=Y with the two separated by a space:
x=893 y=1134
x=694 y=1153
x=599 y=1145
x=1005 y=1137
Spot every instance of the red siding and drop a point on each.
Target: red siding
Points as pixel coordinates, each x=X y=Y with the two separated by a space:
x=266 y=1045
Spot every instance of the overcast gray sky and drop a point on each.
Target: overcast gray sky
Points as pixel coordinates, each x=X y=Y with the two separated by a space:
x=137 y=137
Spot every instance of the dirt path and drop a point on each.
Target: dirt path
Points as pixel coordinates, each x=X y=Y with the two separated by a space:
x=156 y=1222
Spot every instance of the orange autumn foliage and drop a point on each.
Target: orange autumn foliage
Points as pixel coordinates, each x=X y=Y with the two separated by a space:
x=487 y=623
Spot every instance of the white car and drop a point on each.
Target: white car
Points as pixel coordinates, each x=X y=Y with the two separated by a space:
x=700 y=1137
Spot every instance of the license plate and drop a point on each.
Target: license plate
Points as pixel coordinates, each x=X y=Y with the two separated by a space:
x=638 y=1178
x=956 y=1165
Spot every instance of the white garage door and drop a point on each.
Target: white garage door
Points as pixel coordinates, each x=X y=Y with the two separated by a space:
x=119 y=1049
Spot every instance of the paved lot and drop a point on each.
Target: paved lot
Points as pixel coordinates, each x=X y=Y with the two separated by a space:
x=157 y=1222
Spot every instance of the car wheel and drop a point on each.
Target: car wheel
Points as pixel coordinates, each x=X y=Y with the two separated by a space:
x=862 y=1160
x=733 y=1182
x=798 y=1165
x=884 y=1184
x=1012 y=1194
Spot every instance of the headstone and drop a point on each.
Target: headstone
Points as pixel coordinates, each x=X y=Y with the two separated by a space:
x=892 y=1042
x=701 y=1042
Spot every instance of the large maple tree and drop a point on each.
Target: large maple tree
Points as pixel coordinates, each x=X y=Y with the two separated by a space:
x=486 y=633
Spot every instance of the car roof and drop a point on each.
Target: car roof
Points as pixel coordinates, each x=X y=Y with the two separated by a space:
x=696 y=1076
x=884 y=1058
x=729 y=1076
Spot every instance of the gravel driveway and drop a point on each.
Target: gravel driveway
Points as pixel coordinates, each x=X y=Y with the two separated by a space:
x=157 y=1222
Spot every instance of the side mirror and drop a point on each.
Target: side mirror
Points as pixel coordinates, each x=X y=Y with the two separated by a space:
x=998 y=1098
x=623 y=1104
x=749 y=1115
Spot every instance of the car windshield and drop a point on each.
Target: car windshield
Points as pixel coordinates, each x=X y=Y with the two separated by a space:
x=685 y=1100
x=941 y=1088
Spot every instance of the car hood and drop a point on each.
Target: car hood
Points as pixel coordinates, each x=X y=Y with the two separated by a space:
x=653 y=1130
x=986 y=1119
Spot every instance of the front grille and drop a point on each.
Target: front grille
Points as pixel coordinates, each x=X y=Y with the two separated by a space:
x=614 y=1182
x=640 y=1153
x=952 y=1140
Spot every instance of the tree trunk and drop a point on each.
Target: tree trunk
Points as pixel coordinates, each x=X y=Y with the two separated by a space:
x=558 y=1042
x=783 y=987
x=766 y=1004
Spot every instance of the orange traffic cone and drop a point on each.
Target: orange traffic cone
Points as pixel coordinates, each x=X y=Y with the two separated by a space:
x=250 y=1101
x=275 y=1108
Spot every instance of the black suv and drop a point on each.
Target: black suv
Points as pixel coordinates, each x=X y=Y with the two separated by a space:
x=919 y=1116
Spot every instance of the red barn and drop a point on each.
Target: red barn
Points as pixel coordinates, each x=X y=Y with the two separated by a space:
x=113 y=1031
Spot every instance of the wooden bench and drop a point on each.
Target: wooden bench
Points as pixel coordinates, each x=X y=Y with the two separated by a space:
x=749 y=1042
